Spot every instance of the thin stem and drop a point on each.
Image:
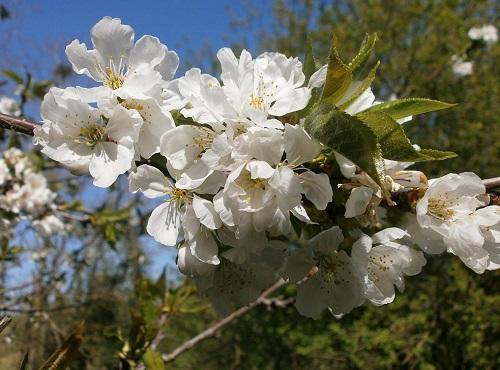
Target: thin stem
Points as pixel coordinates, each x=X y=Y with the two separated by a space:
x=26 y=127
x=17 y=124
x=209 y=332
x=4 y=321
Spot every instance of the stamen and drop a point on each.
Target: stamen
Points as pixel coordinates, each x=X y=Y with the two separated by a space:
x=91 y=135
x=438 y=208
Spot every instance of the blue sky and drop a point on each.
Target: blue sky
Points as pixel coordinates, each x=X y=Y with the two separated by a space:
x=36 y=35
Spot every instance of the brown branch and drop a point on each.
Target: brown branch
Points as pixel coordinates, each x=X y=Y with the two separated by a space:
x=45 y=309
x=26 y=127
x=209 y=332
x=4 y=321
x=17 y=124
x=491 y=183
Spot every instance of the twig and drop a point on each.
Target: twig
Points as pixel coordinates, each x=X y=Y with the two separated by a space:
x=491 y=183
x=17 y=124
x=26 y=127
x=159 y=336
x=4 y=321
x=277 y=302
x=209 y=332
x=46 y=309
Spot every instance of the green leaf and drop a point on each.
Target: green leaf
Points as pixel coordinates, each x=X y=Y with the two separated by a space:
x=393 y=141
x=60 y=359
x=153 y=360
x=365 y=84
x=309 y=64
x=348 y=136
x=12 y=76
x=24 y=363
x=338 y=77
x=364 y=52
x=401 y=108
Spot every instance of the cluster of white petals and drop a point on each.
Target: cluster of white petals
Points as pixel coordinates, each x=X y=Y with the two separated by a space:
x=25 y=195
x=233 y=172
x=487 y=33
x=461 y=67
x=9 y=106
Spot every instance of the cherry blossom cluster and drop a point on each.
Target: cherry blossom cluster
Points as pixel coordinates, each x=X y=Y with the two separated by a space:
x=244 y=191
x=486 y=34
x=25 y=195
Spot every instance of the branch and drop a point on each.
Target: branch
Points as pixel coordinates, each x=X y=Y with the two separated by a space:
x=4 y=321
x=45 y=309
x=26 y=127
x=209 y=332
x=491 y=183
x=17 y=124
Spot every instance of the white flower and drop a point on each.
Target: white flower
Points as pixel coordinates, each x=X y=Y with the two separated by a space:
x=382 y=262
x=488 y=33
x=259 y=197
x=4 y=172
x=134 y=71
x=49 y=225
x=449 y=208
x=461 y=67
x=492 y=245
x=253 y=91
x=182 y=214
x=334 y=285
x=87 y=139
x=34 y=194
x=9 y=106
x=271 y=84
x=157 y=120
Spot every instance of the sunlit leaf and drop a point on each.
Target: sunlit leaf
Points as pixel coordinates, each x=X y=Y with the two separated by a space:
x=338 y=77
x=364 y=52
x=348 y=136
x=401 y=108
x=393 y=141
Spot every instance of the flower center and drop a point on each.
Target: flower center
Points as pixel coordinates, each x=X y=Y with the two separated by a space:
x=177 y=195
x=91 y=135
x=258 y=183
x=204 y=140
x=438 y=208
x=262 y=96
x=113 y=75
x=378 y=263
x=257 y=102
x=332 y=268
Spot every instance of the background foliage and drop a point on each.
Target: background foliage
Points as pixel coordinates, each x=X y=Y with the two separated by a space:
x=448 y=318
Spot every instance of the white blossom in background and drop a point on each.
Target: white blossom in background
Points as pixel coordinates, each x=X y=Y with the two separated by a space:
x=25 y=195
x=9 y=106
x=487 y=33
x=461 y=67
x=50 y=225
